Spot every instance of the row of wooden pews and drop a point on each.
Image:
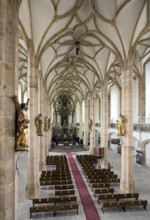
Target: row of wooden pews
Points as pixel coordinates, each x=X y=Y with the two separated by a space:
x=100 y=181
x=64 y=197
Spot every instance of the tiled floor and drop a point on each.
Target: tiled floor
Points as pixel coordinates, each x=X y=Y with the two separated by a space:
x=142 y=182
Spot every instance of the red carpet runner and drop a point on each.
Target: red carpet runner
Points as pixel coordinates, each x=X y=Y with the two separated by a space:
x=87 y=202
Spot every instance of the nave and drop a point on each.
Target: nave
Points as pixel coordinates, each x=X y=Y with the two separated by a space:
x=141 y=176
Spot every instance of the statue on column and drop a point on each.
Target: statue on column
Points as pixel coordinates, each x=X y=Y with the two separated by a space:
x=39 y=124
x=46 y=124
x=90 y=124
x=121 y=125
x=22 y=125
x=49 y=123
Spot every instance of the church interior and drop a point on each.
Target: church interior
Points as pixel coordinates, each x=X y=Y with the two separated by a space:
x=75 y=110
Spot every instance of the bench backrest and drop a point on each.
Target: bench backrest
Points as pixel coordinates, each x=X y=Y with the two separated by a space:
x=97 y=185
x=54 y=200
x=59 y=187
x=55 y=182
x=66 y=192
x=118 y=196
x=124 y=203
x=104 y=190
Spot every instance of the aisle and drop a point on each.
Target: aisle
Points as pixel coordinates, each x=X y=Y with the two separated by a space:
x=87 y=202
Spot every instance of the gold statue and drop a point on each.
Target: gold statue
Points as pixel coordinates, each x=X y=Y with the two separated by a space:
x=22 y=125
x=121 y=125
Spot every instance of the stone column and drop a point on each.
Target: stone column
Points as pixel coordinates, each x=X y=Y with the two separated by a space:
x=16 y=93
x=85 y=141
x=49 y=116
x=73 y=117
x=42 y=161
x=80 y=128
x=32 y=189
x=104 y=123
x=92 y=117
x=88 y=118
x=109 y=108
x=8 y=24
x=127 y=183
x=141 y=85
x=46 y=132
x=74 y=121
x=51 y=121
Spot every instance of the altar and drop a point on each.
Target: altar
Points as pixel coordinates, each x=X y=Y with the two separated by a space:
x=65 y=145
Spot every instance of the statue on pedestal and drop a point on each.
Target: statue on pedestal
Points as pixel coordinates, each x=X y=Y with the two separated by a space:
x=39 y=124
x=90 y=124
x=22 y=125
x=121 y=125
x=49 y=123
x=46 y=124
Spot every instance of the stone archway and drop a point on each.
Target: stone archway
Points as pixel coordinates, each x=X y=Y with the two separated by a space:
x=143 y=149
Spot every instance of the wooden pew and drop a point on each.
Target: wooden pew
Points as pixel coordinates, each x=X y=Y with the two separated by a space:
x=57 y=173
x=53 y=208
x=55 y=178
x=54 y=200
x=103 y=190
x=64 y=192
x=99 y=185
x=108 y=180
x=55 y=182
x=123 y=204
x=103 y=176
x=100 y=172
x=61 y=187
x=118 y=196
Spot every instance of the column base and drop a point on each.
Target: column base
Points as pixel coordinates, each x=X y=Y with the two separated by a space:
x=91 y=150
x=42 y=166
x=32 y=192
x=127 y=186
x=104 y=164
x=85 y=146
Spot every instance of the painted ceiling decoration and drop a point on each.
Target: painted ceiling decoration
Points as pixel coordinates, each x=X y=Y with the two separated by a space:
x=78 y=43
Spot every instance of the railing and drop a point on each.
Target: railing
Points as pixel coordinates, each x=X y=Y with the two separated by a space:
x=141 y=127
x=136 y=127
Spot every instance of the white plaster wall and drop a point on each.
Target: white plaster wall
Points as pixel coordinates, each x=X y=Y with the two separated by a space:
x=59 y=119
x=115 y=104
x=113 y=135
x=144 y=135
x=25 y=97
x=52 y=113
x=147 y=69
x=19 y=93
x=97 y=136
x=147 y=148
x=135 y=101
x=135 y=143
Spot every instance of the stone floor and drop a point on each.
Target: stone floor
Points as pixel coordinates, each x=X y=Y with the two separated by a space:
x=142 y=182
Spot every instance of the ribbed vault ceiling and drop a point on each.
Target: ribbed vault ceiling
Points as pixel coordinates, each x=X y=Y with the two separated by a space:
x=78 y=43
